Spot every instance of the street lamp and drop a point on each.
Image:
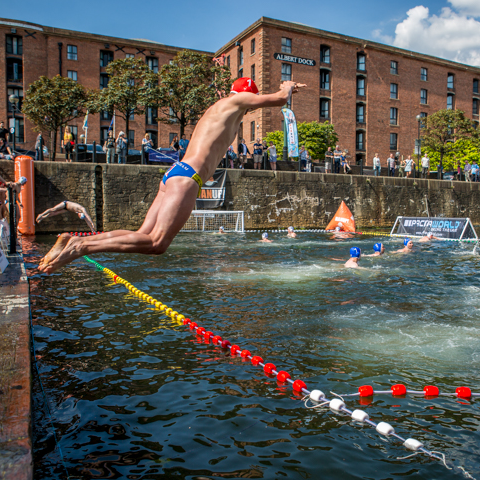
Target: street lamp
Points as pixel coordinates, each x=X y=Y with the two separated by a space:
x=13 y=99
x=418 y=145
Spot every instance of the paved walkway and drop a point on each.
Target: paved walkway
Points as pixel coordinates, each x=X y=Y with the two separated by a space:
x=15 y=373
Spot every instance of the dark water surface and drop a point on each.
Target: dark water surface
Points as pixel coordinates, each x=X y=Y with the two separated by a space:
x=133 y=395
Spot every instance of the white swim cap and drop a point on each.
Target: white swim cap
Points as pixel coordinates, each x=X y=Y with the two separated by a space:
x=290 y=229
x=222 y=229
x=337 y=229
x=22 y=181
x=264 y=235
x=429 y=234
x=82 y=216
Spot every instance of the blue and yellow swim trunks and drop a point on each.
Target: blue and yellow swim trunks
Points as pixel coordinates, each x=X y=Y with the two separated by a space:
x=180 y=169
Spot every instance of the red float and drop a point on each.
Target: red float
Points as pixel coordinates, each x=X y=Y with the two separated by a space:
x=200 y=331
x=256 y=360
x=234 y=349
x=245 y=353
x=399 y=389
x=186 y=321
x=463 y=392
x=365 y=391
x=216 y=339
x=282 y=376
x=431 y=391
x=207 y=335
x=193 y=325
x=298 y=385
x=225 y=344
x=268 y=368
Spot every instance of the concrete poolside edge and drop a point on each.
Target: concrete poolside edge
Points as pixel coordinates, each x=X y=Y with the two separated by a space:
x=16 y=460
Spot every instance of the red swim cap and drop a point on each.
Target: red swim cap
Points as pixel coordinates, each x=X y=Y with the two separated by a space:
x=244 y=84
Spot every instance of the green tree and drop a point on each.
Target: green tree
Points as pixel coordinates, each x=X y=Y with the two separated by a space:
x=467 y=149
x=132 y=87
x=316 y=137
x=441 y=131
x=189 y=85
x=51 y=103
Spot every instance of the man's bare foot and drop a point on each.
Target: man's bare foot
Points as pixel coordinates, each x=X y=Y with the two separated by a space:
x=68 y=254
x=56 y=250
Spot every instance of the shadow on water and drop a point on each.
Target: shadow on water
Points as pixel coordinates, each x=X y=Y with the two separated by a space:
x=136 y=396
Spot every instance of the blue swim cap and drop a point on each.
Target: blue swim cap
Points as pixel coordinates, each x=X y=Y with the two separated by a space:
x=377 y=247
x=264 y=235
x=405 y=242
x=355 y=252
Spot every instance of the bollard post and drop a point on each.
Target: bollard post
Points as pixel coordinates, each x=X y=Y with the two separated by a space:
x=13 y=220
x=142 y=156
x=76 y=151
x=94 y=154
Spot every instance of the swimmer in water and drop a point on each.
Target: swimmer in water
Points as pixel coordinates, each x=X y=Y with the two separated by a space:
x=181 y=185
x=221 y=230
x=408 y=246
x=291 y=233
x=67 y=206
x=265 y=238
x=355 y=254
x=378 y=249
x=429 y=236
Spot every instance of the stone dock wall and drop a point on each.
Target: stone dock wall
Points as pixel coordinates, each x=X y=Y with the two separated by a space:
x=118 y=196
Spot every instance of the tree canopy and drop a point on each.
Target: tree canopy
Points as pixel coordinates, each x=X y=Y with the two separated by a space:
x=188 y=86
x=316 y=137
x=51 y=103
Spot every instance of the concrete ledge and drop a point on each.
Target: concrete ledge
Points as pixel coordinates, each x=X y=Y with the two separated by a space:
x=15 y=373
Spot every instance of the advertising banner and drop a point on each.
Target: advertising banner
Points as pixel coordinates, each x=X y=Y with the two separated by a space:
x=441 y=227
x=213 y=191
x=291 y=129
x=162 y=155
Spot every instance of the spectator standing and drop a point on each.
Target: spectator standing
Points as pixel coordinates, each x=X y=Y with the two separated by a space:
x=147 y=144
x=401 y=168
x=425 y=166
x=4 y=132
x=459 y=171
x=391 y=165
x=257 y=154
x=377 y=168
x=5 y=151
x=475 y=172
x=328 y=160
x=303 y=158
x=345 y=164
x=174 y=145
x=272 y=156
x=183 y=146
x=109 y=147
x=409 y=164
x=39 y=143
x=242 y=153
x=67 y=144
x=122 y=145
x=466 y=170
x=337 y=158
x=231 y=155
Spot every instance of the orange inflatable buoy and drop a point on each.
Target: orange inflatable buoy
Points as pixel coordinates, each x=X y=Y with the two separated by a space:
x=24 y=168
x=343 y=219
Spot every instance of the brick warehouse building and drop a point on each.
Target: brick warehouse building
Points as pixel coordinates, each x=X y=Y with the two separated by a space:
x=371 y=92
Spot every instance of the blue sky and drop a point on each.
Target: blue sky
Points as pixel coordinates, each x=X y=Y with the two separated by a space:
x=426 y=26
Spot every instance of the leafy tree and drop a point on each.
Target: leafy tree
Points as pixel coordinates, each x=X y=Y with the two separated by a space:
x=189 y=85
x=51 y=103
x=132 y=87
x=316 y=137
x=461 y=151
x=441 y=131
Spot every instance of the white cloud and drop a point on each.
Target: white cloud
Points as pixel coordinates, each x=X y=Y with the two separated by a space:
x=452 y=35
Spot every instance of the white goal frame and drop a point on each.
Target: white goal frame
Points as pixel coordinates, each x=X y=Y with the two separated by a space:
x=212 y=220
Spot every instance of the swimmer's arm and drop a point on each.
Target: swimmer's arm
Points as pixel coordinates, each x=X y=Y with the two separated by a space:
x=89 y=220
x=250 y=100
x=337 y=259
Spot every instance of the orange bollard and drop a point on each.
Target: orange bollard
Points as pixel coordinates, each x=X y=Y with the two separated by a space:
x=24 y=168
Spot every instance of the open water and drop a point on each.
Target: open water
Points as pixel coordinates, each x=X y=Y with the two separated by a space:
x=133 y=395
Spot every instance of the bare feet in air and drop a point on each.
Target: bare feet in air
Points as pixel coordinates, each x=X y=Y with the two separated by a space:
x=56 y=250
x=67 y=255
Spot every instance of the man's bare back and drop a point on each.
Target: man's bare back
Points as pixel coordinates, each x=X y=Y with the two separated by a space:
x=175 y=200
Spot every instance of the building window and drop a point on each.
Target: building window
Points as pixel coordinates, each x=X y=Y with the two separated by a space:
x=131 y=118
x=173 y=117
x=252 y=46
x=475 y=107
x=286 y=72
x=475 y=86
x=361 y=86
x=393 y=90
x=252 y=131
x=19 y=130
x=393 y=67
x=325 y=79
x=19 y=93
x=423 y=74
x=240 y=56
x=450 y=80
x=105 y=57
x=360 y=141
x=393 y=141
x=361 y=62
x=72 y=52
x=103 y=81
x=324 y=108
x=131 y=139
x=240 y=73
x=393 y=116
x=72 y=74
x=252 y=72
x=450 y=102
x=424 y=116
x=152 y=63
x=14 y=70
x=14 y=45
x=151 y=116
x=228 y=61
x=423 y=96
x=129 y=55
x=324 y=54
x=104 y=115
x=103 y=135
x=286 y=45
x=360 y=113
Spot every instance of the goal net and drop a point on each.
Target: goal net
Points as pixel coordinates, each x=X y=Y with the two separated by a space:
x=211 y=221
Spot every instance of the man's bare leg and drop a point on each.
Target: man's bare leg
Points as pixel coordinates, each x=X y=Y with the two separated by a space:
x=172 y=211
x=56 y=249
